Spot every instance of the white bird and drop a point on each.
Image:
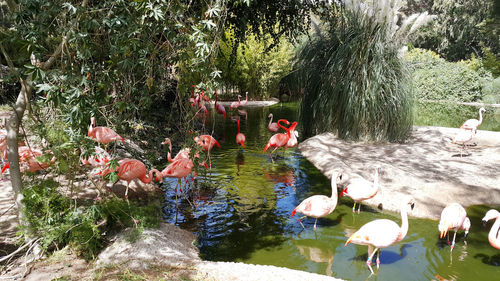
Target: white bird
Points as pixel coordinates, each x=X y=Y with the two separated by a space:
x=493 y=235
x=318 y=206
x=462 y=137
x=472 y=124
x=360 y=189
x=453 y=217
x=381 y=233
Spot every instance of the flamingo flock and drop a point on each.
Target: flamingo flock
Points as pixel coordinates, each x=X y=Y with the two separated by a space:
x=376 y=234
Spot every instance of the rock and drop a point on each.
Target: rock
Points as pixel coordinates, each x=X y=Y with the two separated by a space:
x=167 y=246
x=428 y=167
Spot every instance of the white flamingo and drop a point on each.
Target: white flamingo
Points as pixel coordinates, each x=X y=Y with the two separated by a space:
x=318 y=206
x=381 y=233
x=360 y=189
x=472 y=124
x=453 y=217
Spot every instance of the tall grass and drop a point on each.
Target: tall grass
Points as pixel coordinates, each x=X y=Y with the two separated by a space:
x=354 y=82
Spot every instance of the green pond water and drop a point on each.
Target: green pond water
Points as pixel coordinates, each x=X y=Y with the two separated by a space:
x=241 y=211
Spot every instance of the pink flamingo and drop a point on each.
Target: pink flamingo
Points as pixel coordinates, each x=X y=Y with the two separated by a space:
x=235 y=104
x=278 y=140
x=130 y=169
x=179 y=169
x=472 y=124
x=99 y=159
x=183 y=153
x=244 y=102
x=240 y=137
x=453 y=217
x=207 y=142
x=318 y=206
x=273 y=127
x=493 y=235
x=219 y=107
x=292 y=141
x=462 y=137
x=102 y=135
x=381 y=233
x=28 y=162
x=360 y=189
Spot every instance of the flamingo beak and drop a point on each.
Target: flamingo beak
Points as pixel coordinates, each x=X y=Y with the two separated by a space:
x=484 y=222
x=412 y=205
x=343 y=192
x=349 y=240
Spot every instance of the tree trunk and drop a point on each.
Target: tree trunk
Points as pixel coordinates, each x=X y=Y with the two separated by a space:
x=12 y=125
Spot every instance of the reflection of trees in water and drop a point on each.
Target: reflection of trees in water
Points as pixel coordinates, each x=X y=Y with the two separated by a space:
x=240 y=233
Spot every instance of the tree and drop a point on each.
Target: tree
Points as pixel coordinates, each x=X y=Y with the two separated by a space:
x=461 y=28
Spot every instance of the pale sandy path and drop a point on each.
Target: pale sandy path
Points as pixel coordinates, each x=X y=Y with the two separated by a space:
x=428 y=168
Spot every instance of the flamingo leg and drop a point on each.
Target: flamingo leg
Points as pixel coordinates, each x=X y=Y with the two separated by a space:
x=369 y=261
x=315 y=223
x=453 y=242
x=359 y=207
x=354 y=207
x=126 y=191
x=378 y=259
x=301 y=221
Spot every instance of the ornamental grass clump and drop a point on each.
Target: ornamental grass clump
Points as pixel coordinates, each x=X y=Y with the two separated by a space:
x=354 y=82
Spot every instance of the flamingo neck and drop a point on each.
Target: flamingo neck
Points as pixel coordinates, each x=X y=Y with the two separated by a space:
x=169 y=154
x=246 y=98
x=238 y=126
x=91 y=126
x=334 y=187
x=149 y=177
x=404 y=221
x=270 y=120
x=281 y=126
x=480 y=117
x=492 y=235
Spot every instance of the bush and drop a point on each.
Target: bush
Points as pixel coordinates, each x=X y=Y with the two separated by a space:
x=437 y=79
x=492 y=91
x=354 y=82
x=60 y=221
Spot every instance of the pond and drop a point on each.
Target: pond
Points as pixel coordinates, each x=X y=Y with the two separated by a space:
x=241 y=212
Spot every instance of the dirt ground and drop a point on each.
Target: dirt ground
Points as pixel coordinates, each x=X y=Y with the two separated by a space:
x=428 y=168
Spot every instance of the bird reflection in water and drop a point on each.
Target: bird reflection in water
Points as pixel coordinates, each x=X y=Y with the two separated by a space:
x=281 y=174
x=316 y=253
x=240 y=160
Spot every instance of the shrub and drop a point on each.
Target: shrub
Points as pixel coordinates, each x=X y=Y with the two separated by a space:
x=437 y=79
x=492 y=91
x=60 y=221
x=354 y=82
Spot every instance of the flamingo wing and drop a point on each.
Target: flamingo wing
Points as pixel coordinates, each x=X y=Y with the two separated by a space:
x=131 y=169
x=452 y=217
x=470 y=124
x=104 y=135
x=379 y=233
x=316 y=206
x=273 y=127
x=360 y=189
